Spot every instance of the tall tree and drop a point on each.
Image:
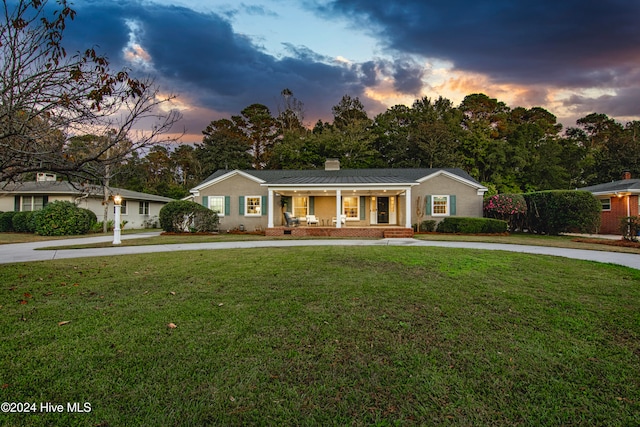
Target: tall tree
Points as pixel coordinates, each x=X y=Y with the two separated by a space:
x=261 y=131
x=46 y=97
x=436 y=133
x=290 y=113
x=483 y=144
x=224 y=146
x=349 y=111
x=187 y=168
x=392 y=131
x=104 y=168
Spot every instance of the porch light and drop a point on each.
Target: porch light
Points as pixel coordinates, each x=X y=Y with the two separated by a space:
x=117 y=201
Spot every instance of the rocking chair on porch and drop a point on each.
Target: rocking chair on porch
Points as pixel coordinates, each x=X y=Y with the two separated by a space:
x=291 y=220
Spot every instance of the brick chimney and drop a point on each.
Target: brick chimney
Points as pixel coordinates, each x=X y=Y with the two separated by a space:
x=626 y=175
x=332 y=165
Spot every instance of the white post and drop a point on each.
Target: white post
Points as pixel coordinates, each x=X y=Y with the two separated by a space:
x=338 y=209
x=270 y=210
x=117 y=201
x=116 y=226
x=407 y=213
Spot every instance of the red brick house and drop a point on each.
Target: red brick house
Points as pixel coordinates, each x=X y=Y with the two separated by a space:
x=619 y=199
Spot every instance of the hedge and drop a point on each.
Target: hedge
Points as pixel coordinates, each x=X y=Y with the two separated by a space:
x=61 y=218
x=471 y=225
x=24 y=222
x=184 y=216
x=559 y=211
x=6 y=221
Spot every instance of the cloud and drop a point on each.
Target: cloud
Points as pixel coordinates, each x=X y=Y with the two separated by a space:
x=198 y=55
x=570 y=43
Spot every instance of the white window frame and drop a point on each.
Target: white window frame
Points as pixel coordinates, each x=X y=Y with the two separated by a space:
x=447 y=205
x=304 y=210
x=606 y=201
x=144 y=208
x=258 y=205
x=356 y=217
x=220 y=204
x=32 y=203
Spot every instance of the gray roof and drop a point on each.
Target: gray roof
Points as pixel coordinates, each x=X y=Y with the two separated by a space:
x=623 y=185
x=344 y=176
x=67 y=188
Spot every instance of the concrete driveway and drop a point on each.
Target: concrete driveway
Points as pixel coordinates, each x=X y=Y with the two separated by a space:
x=25 y=252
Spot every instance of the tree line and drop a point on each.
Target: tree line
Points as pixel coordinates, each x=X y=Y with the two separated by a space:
x=510 y=150
x=76 y=116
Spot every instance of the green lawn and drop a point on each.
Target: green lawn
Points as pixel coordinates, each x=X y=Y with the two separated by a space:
x=323 y=336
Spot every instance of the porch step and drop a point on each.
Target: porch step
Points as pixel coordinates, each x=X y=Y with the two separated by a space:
x=404 y=233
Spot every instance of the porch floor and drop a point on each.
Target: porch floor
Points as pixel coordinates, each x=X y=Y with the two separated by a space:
x=372 y=231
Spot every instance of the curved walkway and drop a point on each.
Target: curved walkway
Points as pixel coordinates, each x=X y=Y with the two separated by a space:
x=25 y=252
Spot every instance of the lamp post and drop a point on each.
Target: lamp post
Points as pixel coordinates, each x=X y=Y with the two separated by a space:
x=117 y=201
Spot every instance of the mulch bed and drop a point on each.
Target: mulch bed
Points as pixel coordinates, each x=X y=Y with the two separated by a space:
x=213 y=233
x=621 y=242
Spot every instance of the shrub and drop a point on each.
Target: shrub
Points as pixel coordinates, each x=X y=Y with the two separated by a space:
x=428 y=225
x=6 y=221
x=630 y=228
x=61 y=218
x=23 y=222
x=181 y=215
x=91 y=217
x=471 y=225
x=555 y=212
x=507 y=207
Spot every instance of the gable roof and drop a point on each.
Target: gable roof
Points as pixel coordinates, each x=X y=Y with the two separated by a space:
x=614 y=187
x=316 y=177
x=67 y=188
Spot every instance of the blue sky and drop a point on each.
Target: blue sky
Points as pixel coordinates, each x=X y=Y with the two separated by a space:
x=572 y=57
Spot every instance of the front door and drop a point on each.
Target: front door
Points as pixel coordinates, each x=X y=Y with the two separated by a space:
x=383 y=210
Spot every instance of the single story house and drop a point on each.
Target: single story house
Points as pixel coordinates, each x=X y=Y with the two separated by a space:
x=619 y=199
x=140 y=210
x=340 y=202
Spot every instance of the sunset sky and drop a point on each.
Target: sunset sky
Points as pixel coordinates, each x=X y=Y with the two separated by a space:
x=572 y=57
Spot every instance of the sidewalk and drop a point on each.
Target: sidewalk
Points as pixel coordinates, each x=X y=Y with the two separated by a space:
x=25 y=252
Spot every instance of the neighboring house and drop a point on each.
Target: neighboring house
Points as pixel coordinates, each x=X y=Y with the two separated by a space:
x=140 y=210
x=364 y=198
x=619 y=199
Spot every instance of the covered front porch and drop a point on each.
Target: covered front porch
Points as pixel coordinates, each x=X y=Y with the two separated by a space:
x=340 y=207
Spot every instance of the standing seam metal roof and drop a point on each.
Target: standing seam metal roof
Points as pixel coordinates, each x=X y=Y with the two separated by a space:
x=344 y=176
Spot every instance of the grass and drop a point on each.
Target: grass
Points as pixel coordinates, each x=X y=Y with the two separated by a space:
x=9 y=238
x=521 y=239
x=323 y=336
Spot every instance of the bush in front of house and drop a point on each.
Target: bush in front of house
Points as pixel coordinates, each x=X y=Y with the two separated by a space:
x=182 y=216
x=91 y=217
x=471 y=225
x=23 y=222
x=6 y=221
x=630 y=228
x=428 y=226
x=560 y=211
x=507 y=207
x=61 y=218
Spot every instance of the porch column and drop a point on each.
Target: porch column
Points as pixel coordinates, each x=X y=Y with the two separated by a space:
x=338 y=208
x=407 y=203
x=270 y=210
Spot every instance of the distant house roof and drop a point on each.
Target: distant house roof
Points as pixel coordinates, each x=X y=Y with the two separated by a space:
x=343 y=176
x=67 y=188
x=614 y=187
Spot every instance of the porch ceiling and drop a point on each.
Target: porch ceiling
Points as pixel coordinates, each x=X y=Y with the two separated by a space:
x=344 y=192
